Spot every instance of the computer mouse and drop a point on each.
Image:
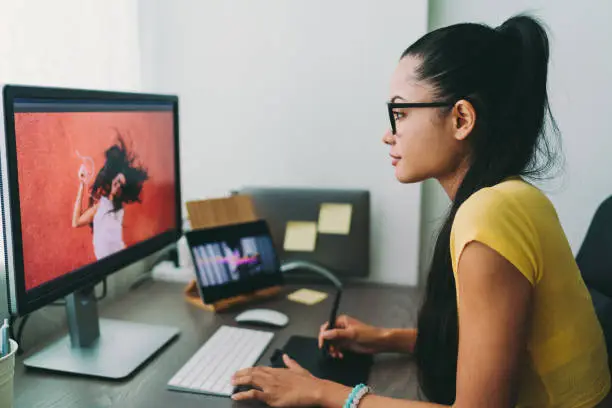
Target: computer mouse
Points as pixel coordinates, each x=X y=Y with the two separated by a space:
x=263 y=317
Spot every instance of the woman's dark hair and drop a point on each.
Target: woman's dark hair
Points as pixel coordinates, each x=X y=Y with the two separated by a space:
x=119 y=159
x=502 y=72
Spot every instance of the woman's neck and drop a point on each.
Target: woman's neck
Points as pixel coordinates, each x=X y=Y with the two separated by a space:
x=451 y=182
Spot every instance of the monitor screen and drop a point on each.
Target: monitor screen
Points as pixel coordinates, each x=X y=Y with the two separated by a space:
x=94 y=179
x=93 y=185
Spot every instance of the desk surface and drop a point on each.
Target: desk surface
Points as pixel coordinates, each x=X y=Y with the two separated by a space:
x=162 y=303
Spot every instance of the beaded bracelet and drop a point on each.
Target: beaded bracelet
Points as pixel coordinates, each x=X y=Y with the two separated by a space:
x=356 y=395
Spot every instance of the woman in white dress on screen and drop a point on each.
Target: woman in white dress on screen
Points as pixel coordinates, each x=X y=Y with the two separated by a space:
x=118 y=182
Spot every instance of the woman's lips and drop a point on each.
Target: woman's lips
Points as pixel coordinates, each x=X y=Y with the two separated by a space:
x=394 y=160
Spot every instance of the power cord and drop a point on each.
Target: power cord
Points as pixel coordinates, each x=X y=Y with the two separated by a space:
x=11 y=331
x=16 y=335
x=24 y=320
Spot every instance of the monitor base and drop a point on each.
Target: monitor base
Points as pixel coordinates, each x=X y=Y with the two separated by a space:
x=120 y=349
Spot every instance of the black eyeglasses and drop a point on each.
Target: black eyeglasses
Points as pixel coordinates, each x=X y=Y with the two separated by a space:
x=396 y=105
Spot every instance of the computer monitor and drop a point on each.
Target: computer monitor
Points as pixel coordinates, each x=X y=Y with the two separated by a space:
x=90 y=184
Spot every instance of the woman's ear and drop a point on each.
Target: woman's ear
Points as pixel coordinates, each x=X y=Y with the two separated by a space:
x=464 y=119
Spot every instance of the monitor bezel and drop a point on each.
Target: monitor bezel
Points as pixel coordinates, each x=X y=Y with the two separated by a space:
x=215 y=293
x=22 y=301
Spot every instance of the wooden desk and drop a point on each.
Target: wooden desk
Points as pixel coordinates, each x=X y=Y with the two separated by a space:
x=162 y=303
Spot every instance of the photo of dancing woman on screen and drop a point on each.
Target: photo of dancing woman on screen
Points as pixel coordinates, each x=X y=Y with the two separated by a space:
x=118 y=182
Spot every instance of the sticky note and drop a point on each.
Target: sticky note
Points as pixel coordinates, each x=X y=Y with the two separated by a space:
x=335 y=218
x=300 y=236
x=307 y=296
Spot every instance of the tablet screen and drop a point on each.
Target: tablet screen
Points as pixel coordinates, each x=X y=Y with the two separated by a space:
x=233 y=260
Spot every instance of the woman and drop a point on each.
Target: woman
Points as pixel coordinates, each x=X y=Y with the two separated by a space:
x=118 y=182
x=507 y=320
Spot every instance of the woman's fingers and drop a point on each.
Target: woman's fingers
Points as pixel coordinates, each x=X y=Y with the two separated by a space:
x=293 y=365
x=336 y=334
x=342 y=320
x=256 y=376
x=249 y=395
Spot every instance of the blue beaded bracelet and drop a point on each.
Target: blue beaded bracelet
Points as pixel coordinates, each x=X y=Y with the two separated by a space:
x=357 y=393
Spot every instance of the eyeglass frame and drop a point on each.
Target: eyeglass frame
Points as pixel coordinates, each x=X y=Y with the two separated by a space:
x=395 y=105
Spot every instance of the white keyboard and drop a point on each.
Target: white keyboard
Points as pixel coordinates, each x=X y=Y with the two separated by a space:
x=210 y=369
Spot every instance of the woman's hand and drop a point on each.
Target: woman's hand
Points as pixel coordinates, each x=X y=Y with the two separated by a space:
x=280 y=387
x=83 y=175
x=351 y=334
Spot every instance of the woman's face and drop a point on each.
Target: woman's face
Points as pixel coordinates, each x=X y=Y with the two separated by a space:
x=117 y=185
x=424 y=144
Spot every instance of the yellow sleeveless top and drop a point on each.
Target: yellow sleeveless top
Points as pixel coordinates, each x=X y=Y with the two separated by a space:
x=567 y=359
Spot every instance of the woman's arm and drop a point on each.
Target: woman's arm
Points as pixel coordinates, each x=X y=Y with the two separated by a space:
x=352 y=334
x=79 y=219
x=494 y=304
x=398 y=340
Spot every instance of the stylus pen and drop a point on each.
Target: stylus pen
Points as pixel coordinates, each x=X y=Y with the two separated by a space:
x=292 y=265
x=332 y=318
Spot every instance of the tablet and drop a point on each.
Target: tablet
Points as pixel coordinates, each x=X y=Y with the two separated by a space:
x=233 y=260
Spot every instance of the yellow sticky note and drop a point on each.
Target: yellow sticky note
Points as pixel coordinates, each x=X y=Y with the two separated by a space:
x=300 y=236
x=307 y=296
x=335 y=218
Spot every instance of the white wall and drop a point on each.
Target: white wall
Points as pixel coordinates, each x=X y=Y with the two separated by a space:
x=289 y=93
x=70 y=43
x=580 y=86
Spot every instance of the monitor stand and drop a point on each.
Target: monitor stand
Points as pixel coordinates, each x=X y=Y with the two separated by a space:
x=100 y=347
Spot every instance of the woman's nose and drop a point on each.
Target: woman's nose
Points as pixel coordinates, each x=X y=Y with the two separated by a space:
x=388 y=137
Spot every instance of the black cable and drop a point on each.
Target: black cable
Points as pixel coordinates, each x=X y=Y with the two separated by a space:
x=24 y=320
x=145 y=277
x=12 y=320
x=104 y=291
